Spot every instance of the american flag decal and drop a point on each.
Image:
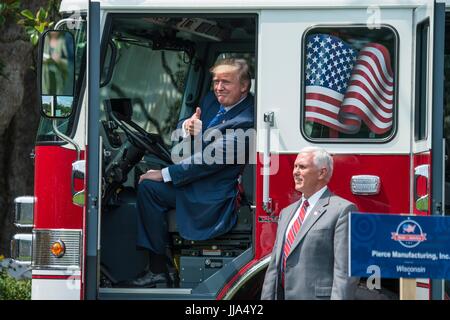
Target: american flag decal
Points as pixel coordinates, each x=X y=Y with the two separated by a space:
x=345 y=87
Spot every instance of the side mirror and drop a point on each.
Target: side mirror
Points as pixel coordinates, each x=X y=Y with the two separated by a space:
x=57 y=73
x=78 y=172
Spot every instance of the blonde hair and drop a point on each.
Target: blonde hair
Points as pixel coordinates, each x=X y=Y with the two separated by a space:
x=240 y=64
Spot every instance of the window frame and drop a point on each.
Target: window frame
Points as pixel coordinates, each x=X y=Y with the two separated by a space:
x=395 y=68
x=421 y=76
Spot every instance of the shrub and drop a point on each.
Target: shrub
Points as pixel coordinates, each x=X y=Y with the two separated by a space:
x=12 y=289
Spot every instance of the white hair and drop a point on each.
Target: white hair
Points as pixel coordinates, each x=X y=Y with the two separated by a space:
x=322 y=159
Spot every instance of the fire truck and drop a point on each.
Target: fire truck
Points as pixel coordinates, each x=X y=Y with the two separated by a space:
x=363 y=80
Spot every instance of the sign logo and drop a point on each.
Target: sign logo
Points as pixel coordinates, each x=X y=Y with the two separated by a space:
x=409 y=234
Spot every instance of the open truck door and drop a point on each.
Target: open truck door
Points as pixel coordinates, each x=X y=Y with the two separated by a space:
x=428 y=145
x=93 y=156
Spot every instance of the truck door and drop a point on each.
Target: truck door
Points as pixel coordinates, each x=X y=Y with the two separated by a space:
x=447 y=127
x=155 y=72
x=428 y=145
x=91 y=214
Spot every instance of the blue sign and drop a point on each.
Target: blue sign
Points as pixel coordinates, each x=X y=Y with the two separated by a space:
x=400 y=246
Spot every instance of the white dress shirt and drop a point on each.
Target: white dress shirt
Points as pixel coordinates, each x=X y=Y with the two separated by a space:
x=312 y=202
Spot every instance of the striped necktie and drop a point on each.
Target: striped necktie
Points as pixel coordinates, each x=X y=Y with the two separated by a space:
x=217 y=117
x=293 y=231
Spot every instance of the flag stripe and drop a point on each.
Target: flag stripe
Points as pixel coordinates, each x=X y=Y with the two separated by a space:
x=356 y=86
x=353 y=105
x=361 y=78
x=361 y=70
x=377 y=64
x=326 y=92
x=369 y=103
x=323 y=111
x=376 y=128
x=383 y=56
x=387 y=86
x=359 y=109
x=374 y=74
x=325 y=101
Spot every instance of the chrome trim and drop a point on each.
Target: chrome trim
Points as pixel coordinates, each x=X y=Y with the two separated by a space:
x=78 y=172
x=422 y=203
x=66 y=138
x=42 y=255
x=21 y=248
x=249 y=274
x=269 y=118
x=24 y=211
x=76 y=24
x=422 y=171
x=365 y=185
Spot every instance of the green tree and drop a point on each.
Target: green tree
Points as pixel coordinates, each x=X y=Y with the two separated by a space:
x=19 y=100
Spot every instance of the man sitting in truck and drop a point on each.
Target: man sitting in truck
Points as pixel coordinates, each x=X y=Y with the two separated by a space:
x=204 y=194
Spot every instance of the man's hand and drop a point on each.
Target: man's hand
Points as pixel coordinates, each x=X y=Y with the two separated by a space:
x=194 y=125
x=154 y=175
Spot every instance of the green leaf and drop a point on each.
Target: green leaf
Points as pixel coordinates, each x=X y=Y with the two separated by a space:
x=40 y=15
x=37 y=28
x=2 y=20
x=27 y=14
x=15 y=5
x=34 y=39
x=41 y=27
x=29 y=30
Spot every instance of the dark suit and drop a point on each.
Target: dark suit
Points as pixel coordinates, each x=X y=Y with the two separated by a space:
x=317 y=266
x=204 y=195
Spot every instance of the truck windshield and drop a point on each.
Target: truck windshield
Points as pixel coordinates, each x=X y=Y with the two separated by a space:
x=45 y=132
x=153 y=79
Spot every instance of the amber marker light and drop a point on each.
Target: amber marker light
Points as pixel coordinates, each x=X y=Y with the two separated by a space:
x=58 y=249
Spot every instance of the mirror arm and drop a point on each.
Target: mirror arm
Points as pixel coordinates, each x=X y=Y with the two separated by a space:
x=67 y=139
x=60 y=22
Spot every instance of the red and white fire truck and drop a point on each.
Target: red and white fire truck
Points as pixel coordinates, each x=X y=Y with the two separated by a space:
x=363 y=80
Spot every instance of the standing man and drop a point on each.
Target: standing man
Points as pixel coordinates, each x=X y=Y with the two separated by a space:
x=310 y=255
x=203 y=194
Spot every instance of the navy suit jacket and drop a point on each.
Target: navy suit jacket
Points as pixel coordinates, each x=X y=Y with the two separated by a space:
x=206 y=193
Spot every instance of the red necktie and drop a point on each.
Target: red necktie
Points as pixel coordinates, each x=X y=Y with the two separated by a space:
x=293 y=233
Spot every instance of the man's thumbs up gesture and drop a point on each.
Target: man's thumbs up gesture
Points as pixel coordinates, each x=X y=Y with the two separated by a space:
x=193 y=125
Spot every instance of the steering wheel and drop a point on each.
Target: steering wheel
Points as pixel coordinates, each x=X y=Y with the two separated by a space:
x=149 y=142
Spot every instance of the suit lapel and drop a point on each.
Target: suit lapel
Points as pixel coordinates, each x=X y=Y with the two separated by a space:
x=214 y=106
x=319 y=209
x=237 y=109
